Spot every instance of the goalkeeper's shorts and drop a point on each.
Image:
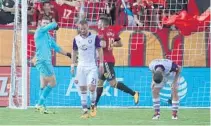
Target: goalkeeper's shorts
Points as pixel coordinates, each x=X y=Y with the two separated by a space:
x=45 y=68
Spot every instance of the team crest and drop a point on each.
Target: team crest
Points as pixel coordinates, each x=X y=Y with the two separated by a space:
x=89 y=41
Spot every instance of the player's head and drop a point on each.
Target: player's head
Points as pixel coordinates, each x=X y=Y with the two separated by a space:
x=158 y=75
x=46 y=6
x=45 y=21
x=103 y=22
x=83 y=28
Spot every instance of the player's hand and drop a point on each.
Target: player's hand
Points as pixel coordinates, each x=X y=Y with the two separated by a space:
x=56 y=28
x=72 y=70
x=101 y=68
x=69 y=55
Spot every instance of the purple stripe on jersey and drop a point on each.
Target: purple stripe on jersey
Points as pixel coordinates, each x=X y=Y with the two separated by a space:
x=174 y=67
x=161 y=66
x=75 y=47
x=97 y=42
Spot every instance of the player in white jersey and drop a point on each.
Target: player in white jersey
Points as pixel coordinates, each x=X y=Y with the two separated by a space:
x=86 y=44
x=162 y=71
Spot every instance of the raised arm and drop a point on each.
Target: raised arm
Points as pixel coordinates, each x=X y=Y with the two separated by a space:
x=50 y=26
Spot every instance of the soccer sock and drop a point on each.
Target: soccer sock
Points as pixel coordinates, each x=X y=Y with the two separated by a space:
x=40 y=94
x=99 y=93
x=175 y=106
x=93 y=97
x=124 y=88
x=84 y=100
x=45 y=94
x=156 y=105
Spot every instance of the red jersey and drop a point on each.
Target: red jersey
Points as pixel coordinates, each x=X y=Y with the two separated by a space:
x=66 y=14
x=110 y=35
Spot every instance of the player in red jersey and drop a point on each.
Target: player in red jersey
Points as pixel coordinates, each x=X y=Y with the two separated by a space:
x=66 y=13
x=109 y=39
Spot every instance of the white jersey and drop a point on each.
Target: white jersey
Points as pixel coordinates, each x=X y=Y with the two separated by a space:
x=166 y=64
x=86 y=48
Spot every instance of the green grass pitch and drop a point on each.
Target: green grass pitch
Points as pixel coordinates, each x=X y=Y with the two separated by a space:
x=109 y=116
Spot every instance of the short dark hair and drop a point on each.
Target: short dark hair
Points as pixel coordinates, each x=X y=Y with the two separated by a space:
x=83 y=22
x=158 y=77
x=105 y=20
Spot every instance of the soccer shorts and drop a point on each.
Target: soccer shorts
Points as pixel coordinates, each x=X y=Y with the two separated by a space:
x=45 y=68
x=109 y=73
x=169 y=78
x=87 y=75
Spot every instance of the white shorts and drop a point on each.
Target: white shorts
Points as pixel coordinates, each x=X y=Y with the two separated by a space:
x=167 y=80
x=87 y=75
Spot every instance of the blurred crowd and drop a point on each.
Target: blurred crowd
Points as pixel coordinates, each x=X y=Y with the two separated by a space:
x=70 y=12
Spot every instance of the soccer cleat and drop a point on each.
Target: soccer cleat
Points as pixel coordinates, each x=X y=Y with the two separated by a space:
x=174 y=117
x=136 y=97
x=156 y=116
x=93 y=112
x=38 y=108
x=85 y=115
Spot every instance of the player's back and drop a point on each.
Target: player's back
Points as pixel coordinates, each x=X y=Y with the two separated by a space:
x=165 y=63
x=86 y=50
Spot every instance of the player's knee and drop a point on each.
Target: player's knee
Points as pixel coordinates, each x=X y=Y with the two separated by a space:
x=92 y=88
x=100 y=83
x=155 y=91
x=113 y=83
x=174 y=91
x=83 y=88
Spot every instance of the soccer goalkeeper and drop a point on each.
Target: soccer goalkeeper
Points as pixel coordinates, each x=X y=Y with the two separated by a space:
x=44 y=42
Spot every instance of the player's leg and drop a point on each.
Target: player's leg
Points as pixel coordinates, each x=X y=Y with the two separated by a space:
x=47 y=77
x=92 y=78
x=83 y=90
x=156 y=99
x=42 y=86
x=81 y=76
x=99 y=88
x=109 y=67
x=175 y=101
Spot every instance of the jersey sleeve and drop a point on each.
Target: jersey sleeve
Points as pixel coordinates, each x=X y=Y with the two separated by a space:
x=97 y=42
x=151 y=66
x=75 y=47
x=54 y=46
x=50 y=26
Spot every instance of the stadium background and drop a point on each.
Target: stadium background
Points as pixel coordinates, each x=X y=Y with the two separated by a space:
x=131 y=67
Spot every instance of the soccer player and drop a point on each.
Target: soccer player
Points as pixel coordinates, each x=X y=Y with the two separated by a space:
x=162 y=71
x=109 y=39
x=44 y=42
x=86 y=45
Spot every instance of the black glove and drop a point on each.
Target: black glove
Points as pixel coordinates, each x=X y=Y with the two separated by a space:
x=69 y=55
x=56 y=28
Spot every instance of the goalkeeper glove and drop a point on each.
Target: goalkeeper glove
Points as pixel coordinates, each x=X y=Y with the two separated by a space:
x=69 y=55
x=56 y=28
